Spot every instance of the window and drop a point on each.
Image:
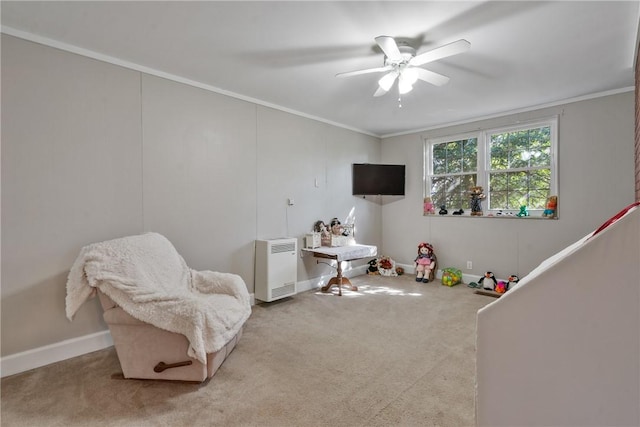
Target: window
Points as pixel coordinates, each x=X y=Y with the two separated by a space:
x=454 y=170
x=515 y=165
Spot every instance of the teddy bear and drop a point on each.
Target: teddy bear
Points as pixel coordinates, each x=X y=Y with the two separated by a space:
x=477 y=195
x=425 y=263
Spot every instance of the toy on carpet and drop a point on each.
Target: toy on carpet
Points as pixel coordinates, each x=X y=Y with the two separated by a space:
x=488 y=281
x=451 y=276
x=373 y=267
x=400 y=271
x=428 y=208
x=387 y=267
x=425 y=263
x=513 y=280
x=477 y=195
x=501 y=287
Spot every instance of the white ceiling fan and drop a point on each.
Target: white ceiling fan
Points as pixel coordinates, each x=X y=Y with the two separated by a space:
x=401 y=63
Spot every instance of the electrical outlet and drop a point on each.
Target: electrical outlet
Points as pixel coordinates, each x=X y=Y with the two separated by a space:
x=469 y=265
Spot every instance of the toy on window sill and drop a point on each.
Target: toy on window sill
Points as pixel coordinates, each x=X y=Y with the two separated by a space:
x=551 y=207
x=428 y=208
x=488 y=281
x=523 y=211
x=425 y=263
x=477 y=195
x=459 y=212
x=443 y=210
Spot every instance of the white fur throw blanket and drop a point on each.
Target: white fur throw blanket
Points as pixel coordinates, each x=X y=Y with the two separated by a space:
x=147 y=277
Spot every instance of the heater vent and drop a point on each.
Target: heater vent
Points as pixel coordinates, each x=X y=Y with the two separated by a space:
x=276 y=268
x=278 y=248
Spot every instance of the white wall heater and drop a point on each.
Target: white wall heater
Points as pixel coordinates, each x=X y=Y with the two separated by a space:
x=276 y=271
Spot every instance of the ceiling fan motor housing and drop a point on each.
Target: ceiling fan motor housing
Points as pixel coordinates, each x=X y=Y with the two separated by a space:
x=407 y=53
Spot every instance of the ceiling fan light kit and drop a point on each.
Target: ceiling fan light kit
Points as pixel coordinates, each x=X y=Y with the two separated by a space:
x=402 y=64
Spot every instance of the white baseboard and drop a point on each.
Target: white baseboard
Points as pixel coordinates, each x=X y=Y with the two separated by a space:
x=466 y=278
x=37 y=357
x=42 y=356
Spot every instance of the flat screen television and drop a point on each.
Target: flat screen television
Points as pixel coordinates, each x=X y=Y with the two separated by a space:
x=376 y=179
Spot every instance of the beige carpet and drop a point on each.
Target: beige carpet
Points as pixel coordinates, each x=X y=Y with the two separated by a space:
x=396 y=352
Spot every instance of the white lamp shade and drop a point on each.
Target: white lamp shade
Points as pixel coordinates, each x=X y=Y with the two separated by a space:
x=410 y=75
x=387 y=80
x=404 y=85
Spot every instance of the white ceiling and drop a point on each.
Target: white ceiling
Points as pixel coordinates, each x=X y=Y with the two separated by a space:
x=286 y=54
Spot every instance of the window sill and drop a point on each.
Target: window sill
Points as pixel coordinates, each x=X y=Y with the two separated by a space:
x=494 y=216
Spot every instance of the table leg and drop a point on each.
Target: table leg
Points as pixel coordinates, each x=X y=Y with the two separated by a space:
x=339 y=280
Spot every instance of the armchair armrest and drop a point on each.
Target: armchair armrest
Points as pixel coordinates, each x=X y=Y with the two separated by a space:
x=213 y=282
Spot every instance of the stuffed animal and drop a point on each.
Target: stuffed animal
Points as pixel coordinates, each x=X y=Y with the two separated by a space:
x=443 y=210
x=428 y=208
x=488 y=281
x=425 y=263
x=501 y=287
x=552 y=205
x=477 y=195
x=459 y=212
x=373 y=267
x=513 y=280
x=387 y=267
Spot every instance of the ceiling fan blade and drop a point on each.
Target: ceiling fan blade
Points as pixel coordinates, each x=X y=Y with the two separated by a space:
x=431 y=77
x=389 y=47
x=379 y=92
x=367 y=71
x=441 y=52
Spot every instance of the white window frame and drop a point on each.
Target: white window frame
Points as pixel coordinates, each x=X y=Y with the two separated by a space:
x=484 y=155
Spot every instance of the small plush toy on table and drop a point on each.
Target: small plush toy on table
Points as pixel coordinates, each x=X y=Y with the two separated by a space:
x=425 y=263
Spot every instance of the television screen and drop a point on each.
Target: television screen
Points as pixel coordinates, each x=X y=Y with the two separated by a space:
x=374 y=179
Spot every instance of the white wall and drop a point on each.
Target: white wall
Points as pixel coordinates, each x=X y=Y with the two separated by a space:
x=596 y=179
x=563 y=347
x=92 y=151
x=71 y=174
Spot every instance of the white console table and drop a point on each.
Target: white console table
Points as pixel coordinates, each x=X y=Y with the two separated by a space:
x=339 y=254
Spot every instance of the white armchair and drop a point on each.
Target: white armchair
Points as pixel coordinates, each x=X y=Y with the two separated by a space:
x=167 y=321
